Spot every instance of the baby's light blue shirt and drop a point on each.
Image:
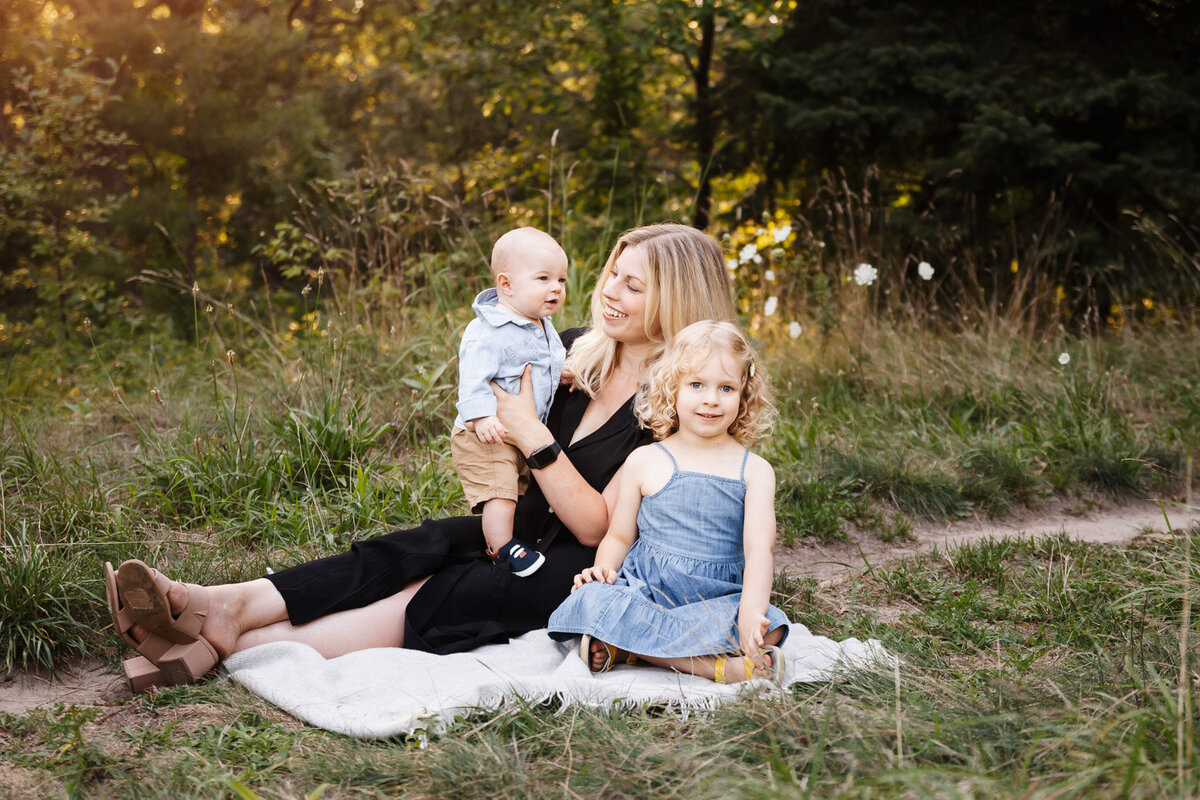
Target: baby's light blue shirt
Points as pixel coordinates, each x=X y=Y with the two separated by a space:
x=496 y=346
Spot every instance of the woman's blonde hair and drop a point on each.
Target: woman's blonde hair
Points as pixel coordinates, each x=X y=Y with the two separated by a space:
x=688 y=351
x=686 y=281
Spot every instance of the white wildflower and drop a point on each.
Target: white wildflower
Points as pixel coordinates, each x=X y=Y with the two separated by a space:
x=782 y=233
x=731 y=264
x=769 y=308
x=748 y=253
x=794 y=330
x=1064 y=358
x=769 y=274
x=865 y=275
x=925 y=270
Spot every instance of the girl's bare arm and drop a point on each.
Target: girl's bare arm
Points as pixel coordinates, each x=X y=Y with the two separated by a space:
x=758 y=539
x=622 y=531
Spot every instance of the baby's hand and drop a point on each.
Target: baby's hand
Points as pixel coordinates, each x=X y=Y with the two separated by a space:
x=567 y=377
x=599 y=574
x=489 y=430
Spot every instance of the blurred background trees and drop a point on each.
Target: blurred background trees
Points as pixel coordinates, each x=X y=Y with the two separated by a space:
x=1046 y=150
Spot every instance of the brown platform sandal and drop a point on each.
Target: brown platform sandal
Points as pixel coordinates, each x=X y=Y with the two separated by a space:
x=144 y=592
x=162 y=662
x=152 y=646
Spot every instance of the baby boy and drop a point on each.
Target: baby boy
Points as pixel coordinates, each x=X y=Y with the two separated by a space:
x=511 y=328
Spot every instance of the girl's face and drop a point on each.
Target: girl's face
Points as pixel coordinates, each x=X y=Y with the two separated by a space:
x=624 y=293
x=708 y=398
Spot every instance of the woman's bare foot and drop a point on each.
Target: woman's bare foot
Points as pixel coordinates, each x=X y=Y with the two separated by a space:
x=232 y=609
x=219 y=626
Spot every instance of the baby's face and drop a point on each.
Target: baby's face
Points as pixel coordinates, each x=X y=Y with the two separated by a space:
x=537 y=283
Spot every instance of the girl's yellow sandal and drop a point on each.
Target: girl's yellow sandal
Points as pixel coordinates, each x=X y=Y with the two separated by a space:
x=719 y=669
x=773 y=652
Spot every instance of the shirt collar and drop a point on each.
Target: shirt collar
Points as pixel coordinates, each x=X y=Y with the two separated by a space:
x=487 y=307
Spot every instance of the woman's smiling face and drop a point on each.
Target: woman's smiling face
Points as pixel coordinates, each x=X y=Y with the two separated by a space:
x=624 y=294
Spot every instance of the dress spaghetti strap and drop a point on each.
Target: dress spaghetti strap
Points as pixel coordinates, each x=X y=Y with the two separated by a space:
x=674 y=464
x=745 y=458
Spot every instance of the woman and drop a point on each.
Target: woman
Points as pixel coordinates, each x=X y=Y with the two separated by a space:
x=432 y=588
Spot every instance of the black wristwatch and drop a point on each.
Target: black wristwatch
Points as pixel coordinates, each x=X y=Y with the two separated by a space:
x=543 y=456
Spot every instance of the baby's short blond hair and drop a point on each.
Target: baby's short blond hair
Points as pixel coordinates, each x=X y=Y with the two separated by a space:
x=691 y=347
x=512 y=248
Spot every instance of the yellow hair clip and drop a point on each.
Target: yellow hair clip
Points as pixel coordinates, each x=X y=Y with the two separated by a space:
x=751 y=368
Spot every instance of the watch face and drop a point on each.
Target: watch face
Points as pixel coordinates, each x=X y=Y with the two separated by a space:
x=543 y=456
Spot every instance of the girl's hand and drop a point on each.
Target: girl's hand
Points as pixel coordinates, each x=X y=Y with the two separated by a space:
x=751 y=630
x=598 y=574
x=518 y=414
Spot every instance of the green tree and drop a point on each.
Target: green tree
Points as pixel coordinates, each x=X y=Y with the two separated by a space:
x=217 y=98
x=54 y=157
x=977 y=114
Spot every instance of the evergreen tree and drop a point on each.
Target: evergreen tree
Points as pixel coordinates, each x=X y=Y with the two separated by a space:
x=979 y=113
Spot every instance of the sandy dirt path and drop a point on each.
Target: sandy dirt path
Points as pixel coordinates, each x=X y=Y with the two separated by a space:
x=832 y=561
x=91 y=683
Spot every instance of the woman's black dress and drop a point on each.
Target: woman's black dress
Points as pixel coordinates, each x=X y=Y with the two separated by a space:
x=469 y=600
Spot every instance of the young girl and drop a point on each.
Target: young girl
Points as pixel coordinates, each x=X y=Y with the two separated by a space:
x=693 y=531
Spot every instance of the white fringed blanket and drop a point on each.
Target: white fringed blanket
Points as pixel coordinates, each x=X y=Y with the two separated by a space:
x=392 y=691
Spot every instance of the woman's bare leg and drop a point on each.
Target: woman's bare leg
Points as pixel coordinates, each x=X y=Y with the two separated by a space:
x=380 y=624
x=241 y=615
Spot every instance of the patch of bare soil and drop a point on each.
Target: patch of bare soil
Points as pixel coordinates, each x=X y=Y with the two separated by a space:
x=85 y=683
x=92 y=683
x=832 y=561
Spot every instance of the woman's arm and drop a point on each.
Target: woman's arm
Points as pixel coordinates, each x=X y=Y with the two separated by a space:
x=758 y=540
x=581 y=508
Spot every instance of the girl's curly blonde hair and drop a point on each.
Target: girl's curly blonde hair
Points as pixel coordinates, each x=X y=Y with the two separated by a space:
x=688 y=350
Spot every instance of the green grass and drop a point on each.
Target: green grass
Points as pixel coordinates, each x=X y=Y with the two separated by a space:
x=1043 y=669
x=289 y=434
x=1028 y=668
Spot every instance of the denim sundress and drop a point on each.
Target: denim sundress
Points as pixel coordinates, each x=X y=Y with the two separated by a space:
x=678 y=590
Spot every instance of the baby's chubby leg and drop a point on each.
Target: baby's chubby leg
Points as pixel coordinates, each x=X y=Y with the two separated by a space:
x=498 y=514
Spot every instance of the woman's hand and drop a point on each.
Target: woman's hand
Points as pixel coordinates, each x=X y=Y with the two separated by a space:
x=597 y=574
x=518 y=413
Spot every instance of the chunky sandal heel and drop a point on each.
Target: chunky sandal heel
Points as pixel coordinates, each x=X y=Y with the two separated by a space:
x=141 y=674
x=188 y=663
